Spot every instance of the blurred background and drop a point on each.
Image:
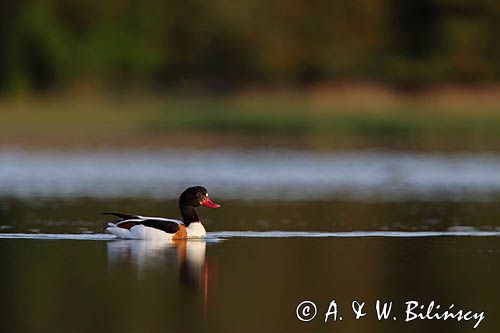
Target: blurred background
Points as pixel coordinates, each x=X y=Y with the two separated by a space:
x=370 y=116
x=420 y=75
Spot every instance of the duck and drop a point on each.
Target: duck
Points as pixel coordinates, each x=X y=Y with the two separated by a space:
x=129 y=226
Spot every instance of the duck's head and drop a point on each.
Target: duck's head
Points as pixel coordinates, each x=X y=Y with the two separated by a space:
x=195 y=196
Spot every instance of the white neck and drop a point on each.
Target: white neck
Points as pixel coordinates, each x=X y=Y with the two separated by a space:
x=196 y=230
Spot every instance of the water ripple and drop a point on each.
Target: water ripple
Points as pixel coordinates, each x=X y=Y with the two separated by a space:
x=220 y=235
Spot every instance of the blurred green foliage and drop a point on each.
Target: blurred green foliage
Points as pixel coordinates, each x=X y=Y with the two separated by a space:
x=301 y=121
x=53 y=43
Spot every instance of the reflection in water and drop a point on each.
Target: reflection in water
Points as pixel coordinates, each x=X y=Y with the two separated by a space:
x=193 y=267
x=187 y=255
x=141 y=253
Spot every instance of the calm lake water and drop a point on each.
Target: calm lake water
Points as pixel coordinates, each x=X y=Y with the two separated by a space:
x=294 y=226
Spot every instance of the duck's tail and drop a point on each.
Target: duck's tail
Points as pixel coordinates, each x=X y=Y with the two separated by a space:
x=110 y=225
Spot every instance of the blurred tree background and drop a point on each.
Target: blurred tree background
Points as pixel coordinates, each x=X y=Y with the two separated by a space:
x=419 y=74
x=220 y=44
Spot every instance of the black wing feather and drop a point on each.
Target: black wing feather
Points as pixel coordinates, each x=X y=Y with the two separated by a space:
x=170 y=227
x=123 y=216
x=167 y=226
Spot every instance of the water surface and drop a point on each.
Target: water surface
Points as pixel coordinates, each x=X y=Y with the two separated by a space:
x=260 y=260
x=293 y=226
x=265 y=174
x=242 y=284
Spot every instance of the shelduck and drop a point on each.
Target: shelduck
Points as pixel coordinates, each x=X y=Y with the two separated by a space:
x=157 y=228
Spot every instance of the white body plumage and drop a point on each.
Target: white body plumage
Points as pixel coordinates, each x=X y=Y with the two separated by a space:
x=139 y=231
